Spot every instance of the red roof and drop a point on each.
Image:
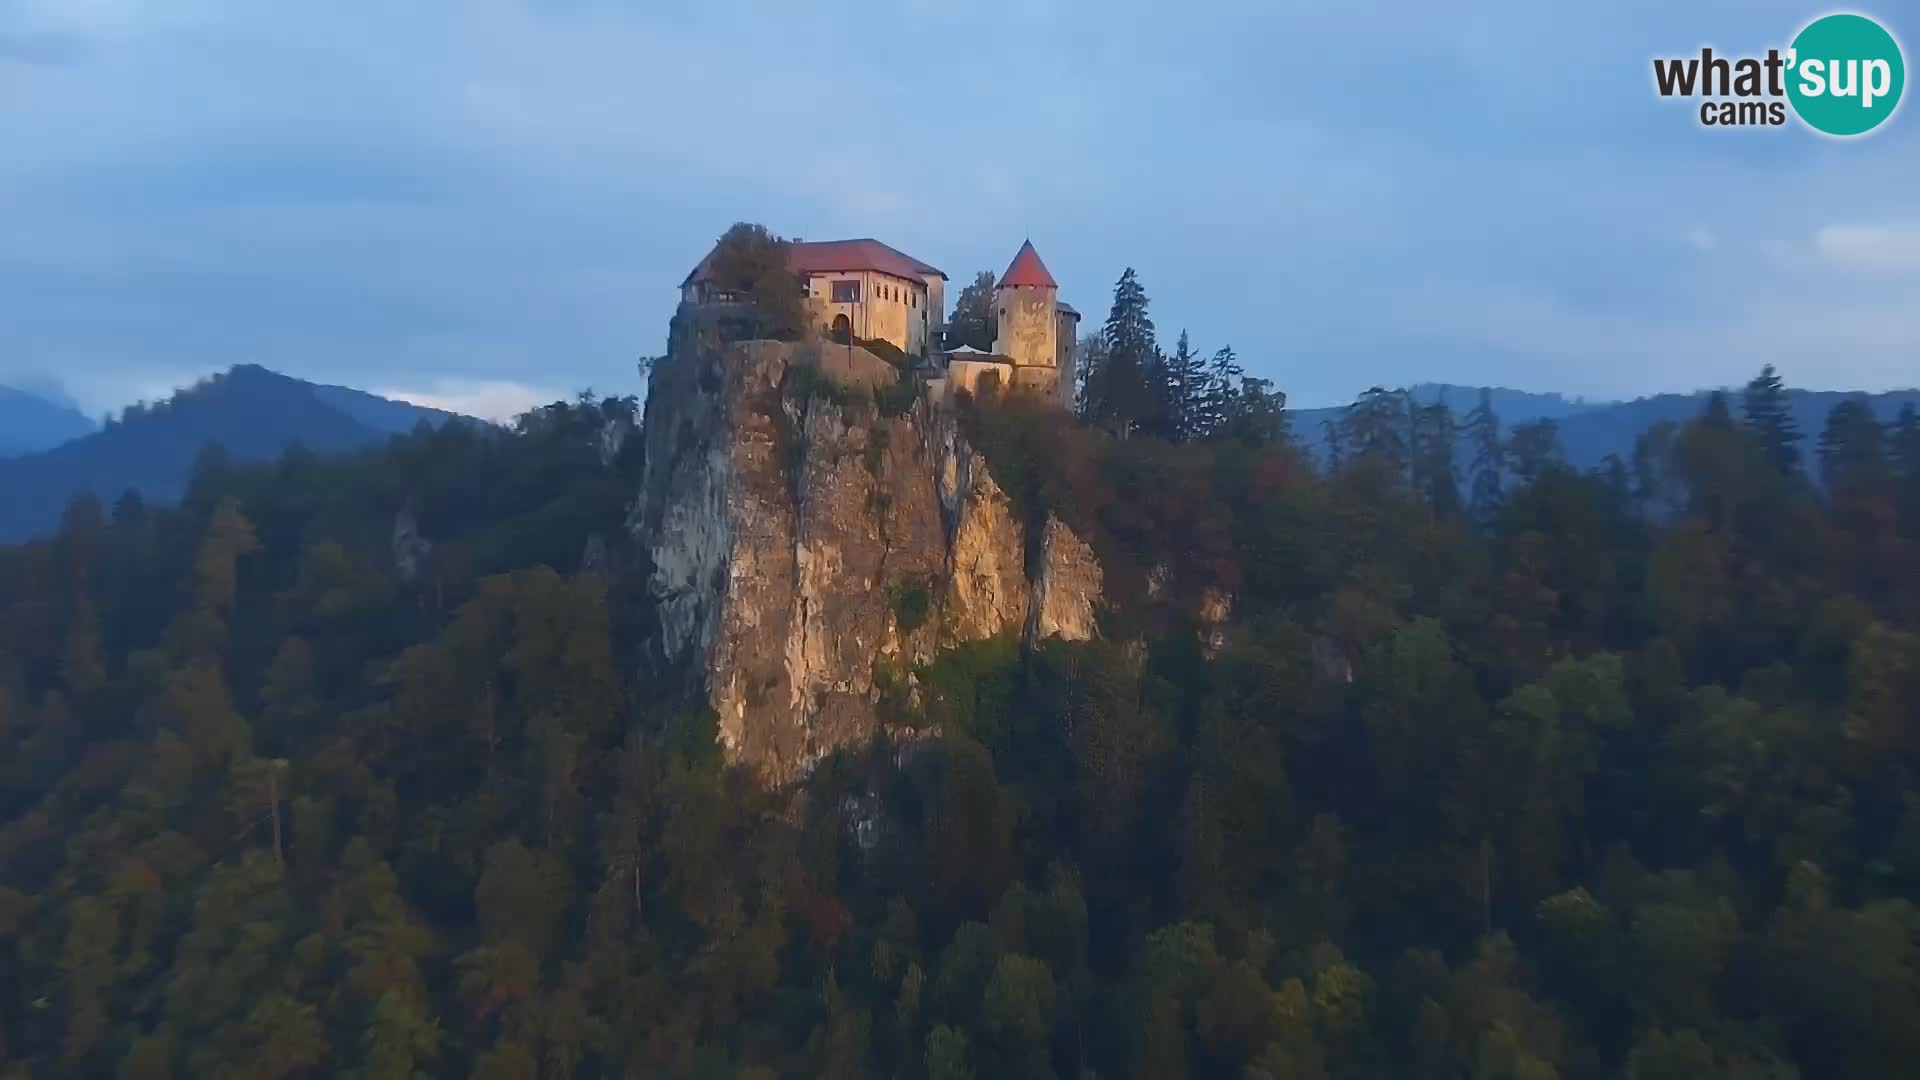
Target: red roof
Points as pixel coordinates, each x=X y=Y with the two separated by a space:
x=840 y=256
x=1027 y=269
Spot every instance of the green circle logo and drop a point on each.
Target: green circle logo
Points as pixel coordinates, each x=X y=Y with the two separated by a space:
x=1845 y=74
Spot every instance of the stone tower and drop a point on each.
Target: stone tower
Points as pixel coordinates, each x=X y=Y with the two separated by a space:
x=1028 y=327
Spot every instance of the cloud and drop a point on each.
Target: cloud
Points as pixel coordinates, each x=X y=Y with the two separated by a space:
x=496 y=400
x=42 y=386
x=1871 y=247
x=457 y=196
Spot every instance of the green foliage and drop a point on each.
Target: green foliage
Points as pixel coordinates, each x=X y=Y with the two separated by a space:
x=1616 y=781
x=751 y=263
x=897 y=400
x=911 y=602
x=974 y=324
x=888 y=351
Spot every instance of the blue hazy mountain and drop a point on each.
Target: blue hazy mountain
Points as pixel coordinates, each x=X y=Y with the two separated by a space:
x=30 y=422
x=1589 y=437
x=253 y=413
x=1590 y=430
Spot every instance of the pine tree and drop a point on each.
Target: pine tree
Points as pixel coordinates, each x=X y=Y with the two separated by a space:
x=1192 y=392
x=1433 y=452
x=1853 y=451
x=1534 y=448
x=1716 y=414
x=1770 y=414
x=1252 y=412
x=1489 y=460
x=1335 y=433
x=1119 y=395
x=1904 y=442
x=1225 y=397
x=1904 y=437
x=1375 y=428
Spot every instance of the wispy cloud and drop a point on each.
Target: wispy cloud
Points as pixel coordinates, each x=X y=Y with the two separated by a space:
x=495 y=400
x=477 y=201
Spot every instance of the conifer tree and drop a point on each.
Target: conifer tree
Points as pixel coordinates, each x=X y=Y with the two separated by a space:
x=1770 y=414
x=1433 y=452
x=1904 y=443
x=1489 y=460
x=1119 y=394
x=1716 y=414
x=1092 y=354
x=1853 y=451
x=1253 y=413
x=1335 y=433
x=1376 y=429
x=1194 y=391
x=1185 y=392
x=1533 y=448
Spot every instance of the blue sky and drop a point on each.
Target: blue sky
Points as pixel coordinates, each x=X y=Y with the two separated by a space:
x=487 y=203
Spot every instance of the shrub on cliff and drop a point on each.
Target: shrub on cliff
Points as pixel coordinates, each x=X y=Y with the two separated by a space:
x=888 y=351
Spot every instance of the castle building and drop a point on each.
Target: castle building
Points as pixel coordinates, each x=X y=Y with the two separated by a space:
x=1034 y=337
x=866 y=290
x=856 y=289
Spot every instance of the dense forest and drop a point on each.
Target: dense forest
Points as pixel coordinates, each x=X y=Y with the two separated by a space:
x=360 y=766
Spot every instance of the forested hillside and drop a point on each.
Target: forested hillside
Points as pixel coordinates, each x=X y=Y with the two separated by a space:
x=252 y=413
x=358 y=767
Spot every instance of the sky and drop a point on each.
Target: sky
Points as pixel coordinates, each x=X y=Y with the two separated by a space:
x=489 y=204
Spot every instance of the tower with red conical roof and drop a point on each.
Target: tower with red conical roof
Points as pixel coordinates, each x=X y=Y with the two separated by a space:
x=1028 y=320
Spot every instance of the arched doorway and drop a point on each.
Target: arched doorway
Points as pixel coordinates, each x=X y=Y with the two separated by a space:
x=842 y=329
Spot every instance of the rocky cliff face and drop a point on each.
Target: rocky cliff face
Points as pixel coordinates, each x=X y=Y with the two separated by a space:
x=803 y=541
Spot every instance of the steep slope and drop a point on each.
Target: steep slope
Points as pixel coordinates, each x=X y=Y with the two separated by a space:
x=807 y=545
x=30 y=423
x=253 y=413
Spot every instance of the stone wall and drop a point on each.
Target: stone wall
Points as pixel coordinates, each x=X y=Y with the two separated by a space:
x=1027 y=326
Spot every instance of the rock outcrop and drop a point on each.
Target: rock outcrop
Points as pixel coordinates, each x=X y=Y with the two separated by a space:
x=803 y=541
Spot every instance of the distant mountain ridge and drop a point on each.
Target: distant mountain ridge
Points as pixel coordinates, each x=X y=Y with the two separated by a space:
x=30 y=422
x=253 y=413
x=1591 y=430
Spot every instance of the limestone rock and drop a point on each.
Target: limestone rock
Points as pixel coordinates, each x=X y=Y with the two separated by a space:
x=987 y=588
x=410 y=549
x=792 y=528
x=1066 y=588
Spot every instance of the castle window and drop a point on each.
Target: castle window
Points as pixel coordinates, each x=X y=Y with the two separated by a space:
x=846 y=292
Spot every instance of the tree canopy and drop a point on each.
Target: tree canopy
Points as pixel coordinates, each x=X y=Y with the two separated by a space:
x=361 y=766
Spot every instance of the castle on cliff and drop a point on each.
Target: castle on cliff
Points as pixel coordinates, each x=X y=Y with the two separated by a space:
x=864 y=289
